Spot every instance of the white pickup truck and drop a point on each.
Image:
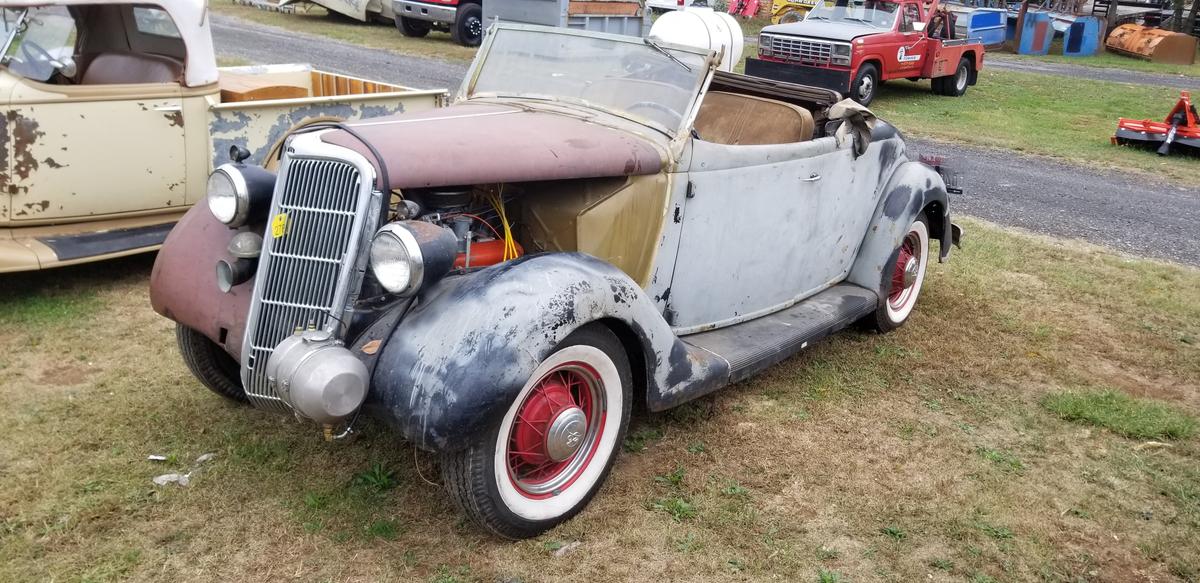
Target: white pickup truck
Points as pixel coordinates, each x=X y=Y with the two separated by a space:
x=116 y=112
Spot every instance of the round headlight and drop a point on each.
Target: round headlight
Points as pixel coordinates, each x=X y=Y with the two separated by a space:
x=228 y=196
x=396 y=260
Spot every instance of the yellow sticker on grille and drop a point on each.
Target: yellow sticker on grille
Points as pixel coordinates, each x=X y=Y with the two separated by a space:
x=279 y=225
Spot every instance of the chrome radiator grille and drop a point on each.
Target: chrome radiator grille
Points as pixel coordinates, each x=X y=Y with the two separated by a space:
x=308 y=261
x=800 y=50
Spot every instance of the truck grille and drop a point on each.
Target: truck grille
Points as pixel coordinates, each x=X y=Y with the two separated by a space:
x=307 y=262
x=800 y=50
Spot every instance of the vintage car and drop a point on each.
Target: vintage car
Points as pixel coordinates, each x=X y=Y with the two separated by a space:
x=114 y=110
x=596 y=221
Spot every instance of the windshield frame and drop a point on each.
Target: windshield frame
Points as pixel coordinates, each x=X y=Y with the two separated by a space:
x=704 y=75
x=12 y=34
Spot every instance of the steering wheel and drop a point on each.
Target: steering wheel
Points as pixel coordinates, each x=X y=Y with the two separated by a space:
x=656 y=107
x=36 y=54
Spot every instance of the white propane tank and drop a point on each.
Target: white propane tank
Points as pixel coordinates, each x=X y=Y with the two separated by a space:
x=704 y=28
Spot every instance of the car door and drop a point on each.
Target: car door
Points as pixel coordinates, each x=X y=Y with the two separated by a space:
x=911 y=52
x=767 y=226
x=88 y=150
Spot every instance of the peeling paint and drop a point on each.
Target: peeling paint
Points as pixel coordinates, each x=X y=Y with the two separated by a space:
x=175 y=118
x=53 y=164
x=25 y=136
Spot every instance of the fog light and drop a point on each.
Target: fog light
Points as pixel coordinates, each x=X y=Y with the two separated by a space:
x=230 y=274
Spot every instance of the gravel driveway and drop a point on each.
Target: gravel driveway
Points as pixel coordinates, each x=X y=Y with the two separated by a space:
x=1115 y=209
x=1025 y=65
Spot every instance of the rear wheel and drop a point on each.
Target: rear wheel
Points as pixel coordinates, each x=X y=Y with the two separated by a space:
x=208 y=362
x=791 y=16
x=468 y=27
x=954 y=85
x=906 y=278
x=412 y=28
x=549 y=454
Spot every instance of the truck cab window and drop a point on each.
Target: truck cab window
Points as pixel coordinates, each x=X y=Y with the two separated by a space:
x=40 y=42
x=912 y=15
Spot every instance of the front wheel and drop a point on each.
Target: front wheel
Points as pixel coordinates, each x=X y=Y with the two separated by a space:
x=468 y=26
x=865 y=84
x=210 y=364
x=549 y=454
x=412 y=28
x=906 y=278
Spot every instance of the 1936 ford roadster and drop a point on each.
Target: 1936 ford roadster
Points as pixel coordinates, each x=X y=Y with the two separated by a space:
x=596 y=220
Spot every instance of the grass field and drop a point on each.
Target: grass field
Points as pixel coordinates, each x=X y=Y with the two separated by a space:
x=1036 y=420
x=1066 y=118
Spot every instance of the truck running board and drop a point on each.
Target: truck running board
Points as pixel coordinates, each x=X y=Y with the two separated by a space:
x=755 y=345
x=69 y=247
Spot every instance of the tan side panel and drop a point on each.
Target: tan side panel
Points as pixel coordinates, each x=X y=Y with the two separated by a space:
x=623 y=229
x=618 y=220
x=74 y=159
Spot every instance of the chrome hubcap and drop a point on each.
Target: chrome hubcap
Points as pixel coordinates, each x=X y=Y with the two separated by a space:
x=566 y=433
x=911 y=268
x=865 y=87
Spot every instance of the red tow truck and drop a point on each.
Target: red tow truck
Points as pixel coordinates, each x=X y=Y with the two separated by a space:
x=853 y=46
x=463 y=19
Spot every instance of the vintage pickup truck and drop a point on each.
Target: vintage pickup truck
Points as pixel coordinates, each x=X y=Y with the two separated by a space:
x=114 y=110
x=854 y=46
x=631 y=224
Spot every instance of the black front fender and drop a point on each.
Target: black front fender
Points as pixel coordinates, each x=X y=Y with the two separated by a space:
x=456 y=361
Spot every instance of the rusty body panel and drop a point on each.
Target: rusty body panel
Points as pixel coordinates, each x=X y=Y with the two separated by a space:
x=1153 y=44
x=183 y=287
x=496 y=142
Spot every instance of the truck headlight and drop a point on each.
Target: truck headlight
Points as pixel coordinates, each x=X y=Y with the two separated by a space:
x=407 y=255
x=765 y=48
x=841 y=54
x=237 y=192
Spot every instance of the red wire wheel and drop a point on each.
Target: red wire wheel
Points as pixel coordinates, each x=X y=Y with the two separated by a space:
x=556 y=431
x=905 y=272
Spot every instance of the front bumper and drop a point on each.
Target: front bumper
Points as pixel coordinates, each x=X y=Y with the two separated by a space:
x=425 y=11
x=823 y=77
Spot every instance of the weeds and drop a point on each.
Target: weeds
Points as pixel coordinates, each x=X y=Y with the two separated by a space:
x=676 y=505
x=826 y=576
x=1005 y=460
x=377 y=478
x=638 y=441
x=894 y=533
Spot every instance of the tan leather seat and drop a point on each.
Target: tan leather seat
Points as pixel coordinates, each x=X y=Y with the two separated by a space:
x=112 y=68
x=734 y=119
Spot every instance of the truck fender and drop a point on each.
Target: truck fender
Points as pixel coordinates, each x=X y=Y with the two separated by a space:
x=456 y=361
x=912 y=188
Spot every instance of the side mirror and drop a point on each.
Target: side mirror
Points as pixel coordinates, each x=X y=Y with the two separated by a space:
x=918 y=26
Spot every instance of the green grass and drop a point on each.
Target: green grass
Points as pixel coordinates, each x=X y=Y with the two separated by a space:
x=1068 y=118
x=1009 y=320
x=1122 y=414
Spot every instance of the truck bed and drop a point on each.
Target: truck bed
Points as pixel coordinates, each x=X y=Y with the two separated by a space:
x=260 y=105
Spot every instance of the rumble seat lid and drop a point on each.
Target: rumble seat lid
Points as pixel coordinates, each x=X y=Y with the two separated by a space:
x=480 y=143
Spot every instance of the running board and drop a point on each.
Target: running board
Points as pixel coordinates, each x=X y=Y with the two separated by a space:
x=755 y=345
x=70 y=247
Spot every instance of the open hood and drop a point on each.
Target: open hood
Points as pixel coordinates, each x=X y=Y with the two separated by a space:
x=482 y=143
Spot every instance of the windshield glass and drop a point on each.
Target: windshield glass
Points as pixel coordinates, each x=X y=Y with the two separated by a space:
x=869 y=12
x=635 y=79
x=40 y=41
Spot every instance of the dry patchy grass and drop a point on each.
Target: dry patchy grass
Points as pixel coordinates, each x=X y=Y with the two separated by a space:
x=925 y=454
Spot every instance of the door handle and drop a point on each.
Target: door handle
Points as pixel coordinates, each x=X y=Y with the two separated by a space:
x=168 y=108
x=811 y=178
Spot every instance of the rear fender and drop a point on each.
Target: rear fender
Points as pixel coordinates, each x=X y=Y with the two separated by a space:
x=454 y=364
x=913 y=187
